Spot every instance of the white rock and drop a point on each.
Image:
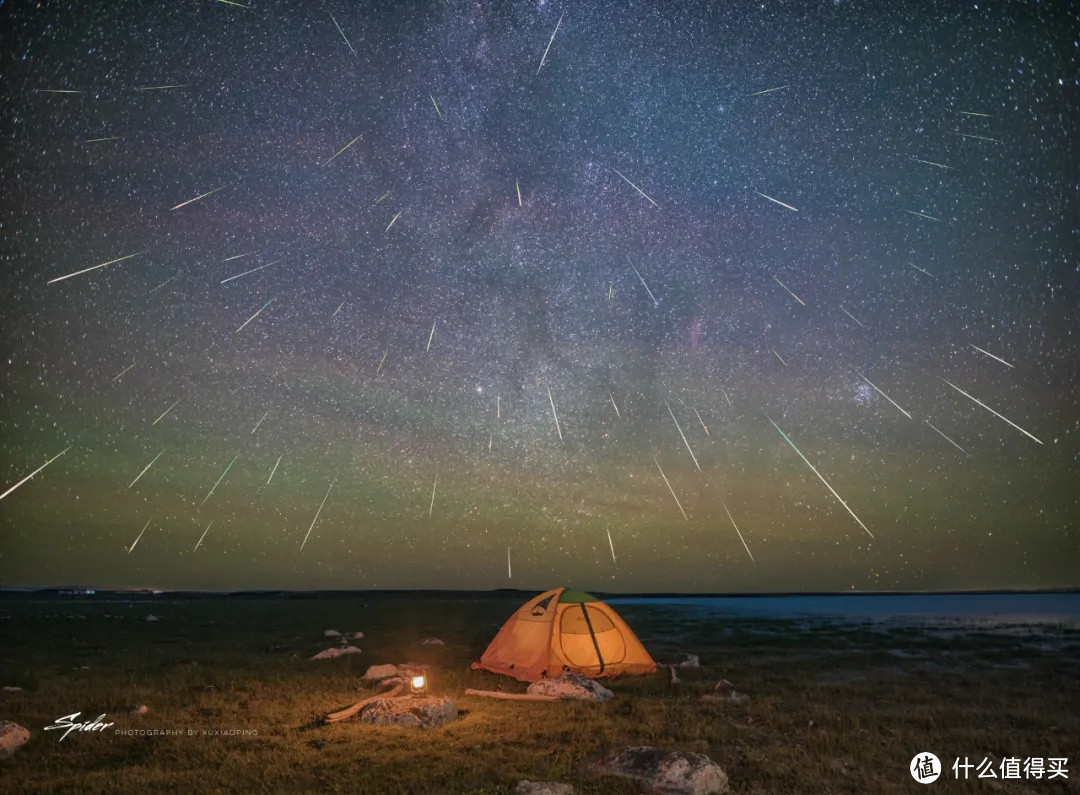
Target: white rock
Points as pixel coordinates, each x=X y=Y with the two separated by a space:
x=12 y=736
x=329 y=654
x=430 y=642
x=142 y=709
x=412 y=712
x=152 y=617
x=356 y=635
x=376 y=672
x=332 y=633
x=691 y=661
x=671 y=772
x=11 y=689
x=570 y=685
x=543 y=788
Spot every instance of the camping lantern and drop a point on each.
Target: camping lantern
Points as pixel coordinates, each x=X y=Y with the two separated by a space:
x=418 y=683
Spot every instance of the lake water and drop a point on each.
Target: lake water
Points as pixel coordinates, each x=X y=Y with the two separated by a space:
x=1022 y=608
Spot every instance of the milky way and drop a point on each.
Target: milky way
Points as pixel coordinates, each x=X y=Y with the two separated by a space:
x=381 y=301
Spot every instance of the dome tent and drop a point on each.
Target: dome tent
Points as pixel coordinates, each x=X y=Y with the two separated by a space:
x=562 y=630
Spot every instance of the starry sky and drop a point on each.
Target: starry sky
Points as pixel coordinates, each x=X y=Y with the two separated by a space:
x=700 y=297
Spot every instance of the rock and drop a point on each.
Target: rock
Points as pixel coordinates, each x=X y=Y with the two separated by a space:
x=570 y=685
x=152 y=617
x=691 y=661
x=725 y=691
x=669 y=772
x=356 y=636
x=543 y=788
x=11 y=689
x=332 y=633
x=142 y=709
x=377 y=672
x=674 y=676
x=12 y=736
x=430 y=642
x=329 y=654
x=412 y=712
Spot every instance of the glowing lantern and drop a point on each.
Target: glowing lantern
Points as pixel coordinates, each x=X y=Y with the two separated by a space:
x=418 y=683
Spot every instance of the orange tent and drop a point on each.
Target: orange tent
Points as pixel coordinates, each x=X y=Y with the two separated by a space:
x=563 y=630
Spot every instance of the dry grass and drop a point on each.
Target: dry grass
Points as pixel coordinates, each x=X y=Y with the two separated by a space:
x=875 y=698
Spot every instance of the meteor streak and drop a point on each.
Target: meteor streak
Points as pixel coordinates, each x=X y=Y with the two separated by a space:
x=931 y=163
x=132 y=483
x=980 y=350
x=822 y=479
x=338 y=309
x=170 y=408
x=204 y=532
x=34 y=472
x=339 y=30
x=1000 y=417
x=782 y=204
x=617 y=414
x=916 y=267
x=162 y=284
x=436 y=104
x=87 y=270
x=852 y=317
x=136 y=541
x=161 y=88
x=683 y=435
x=922 y=215
x=509 y=571
x=973 y=113
x=99 y=140
x=58 y=91
x=656 y=303
x=342 y=149
x=980 y=137
x=238 y=5
x=223 y=474
x=554 y=413
x=253 y=316
x=257 y=424
x=946 y=438
x=253 y=270
x=381 y=361
x=732 y=405
x=737 y=530
x=612 y=546
x=431 y=336
x=236 y=256
x=778 y=356
x=518 y=186
x=376 y=204
x=272 y=471
x=393 y=221
x=867 y=380
x=789 y=291
x=544 y=57
x=703 y=425
x=431 y=507
x=635 y=187
x=117 y=378
x=766 y=91
x=313 y=521
x=498 y=406
x=203 y=196
x=666 y=481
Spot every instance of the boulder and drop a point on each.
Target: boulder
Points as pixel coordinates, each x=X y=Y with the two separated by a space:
x=668 y=772
x=12 y=736
x=691 y=661
x=424 y=712
x=543 y=788
x=11 y=689
x=329 y=654
x=377 y=672
x=356 y=635
x=570 y=685
x=152 y=617
x=430 y=642
x=332 y=633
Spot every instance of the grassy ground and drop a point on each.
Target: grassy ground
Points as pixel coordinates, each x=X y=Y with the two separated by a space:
x=835 y=707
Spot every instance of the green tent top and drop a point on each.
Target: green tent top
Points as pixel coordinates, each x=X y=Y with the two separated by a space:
x=576 y=597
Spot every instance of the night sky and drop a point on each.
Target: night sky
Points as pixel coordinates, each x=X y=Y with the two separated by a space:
x=692 y=296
